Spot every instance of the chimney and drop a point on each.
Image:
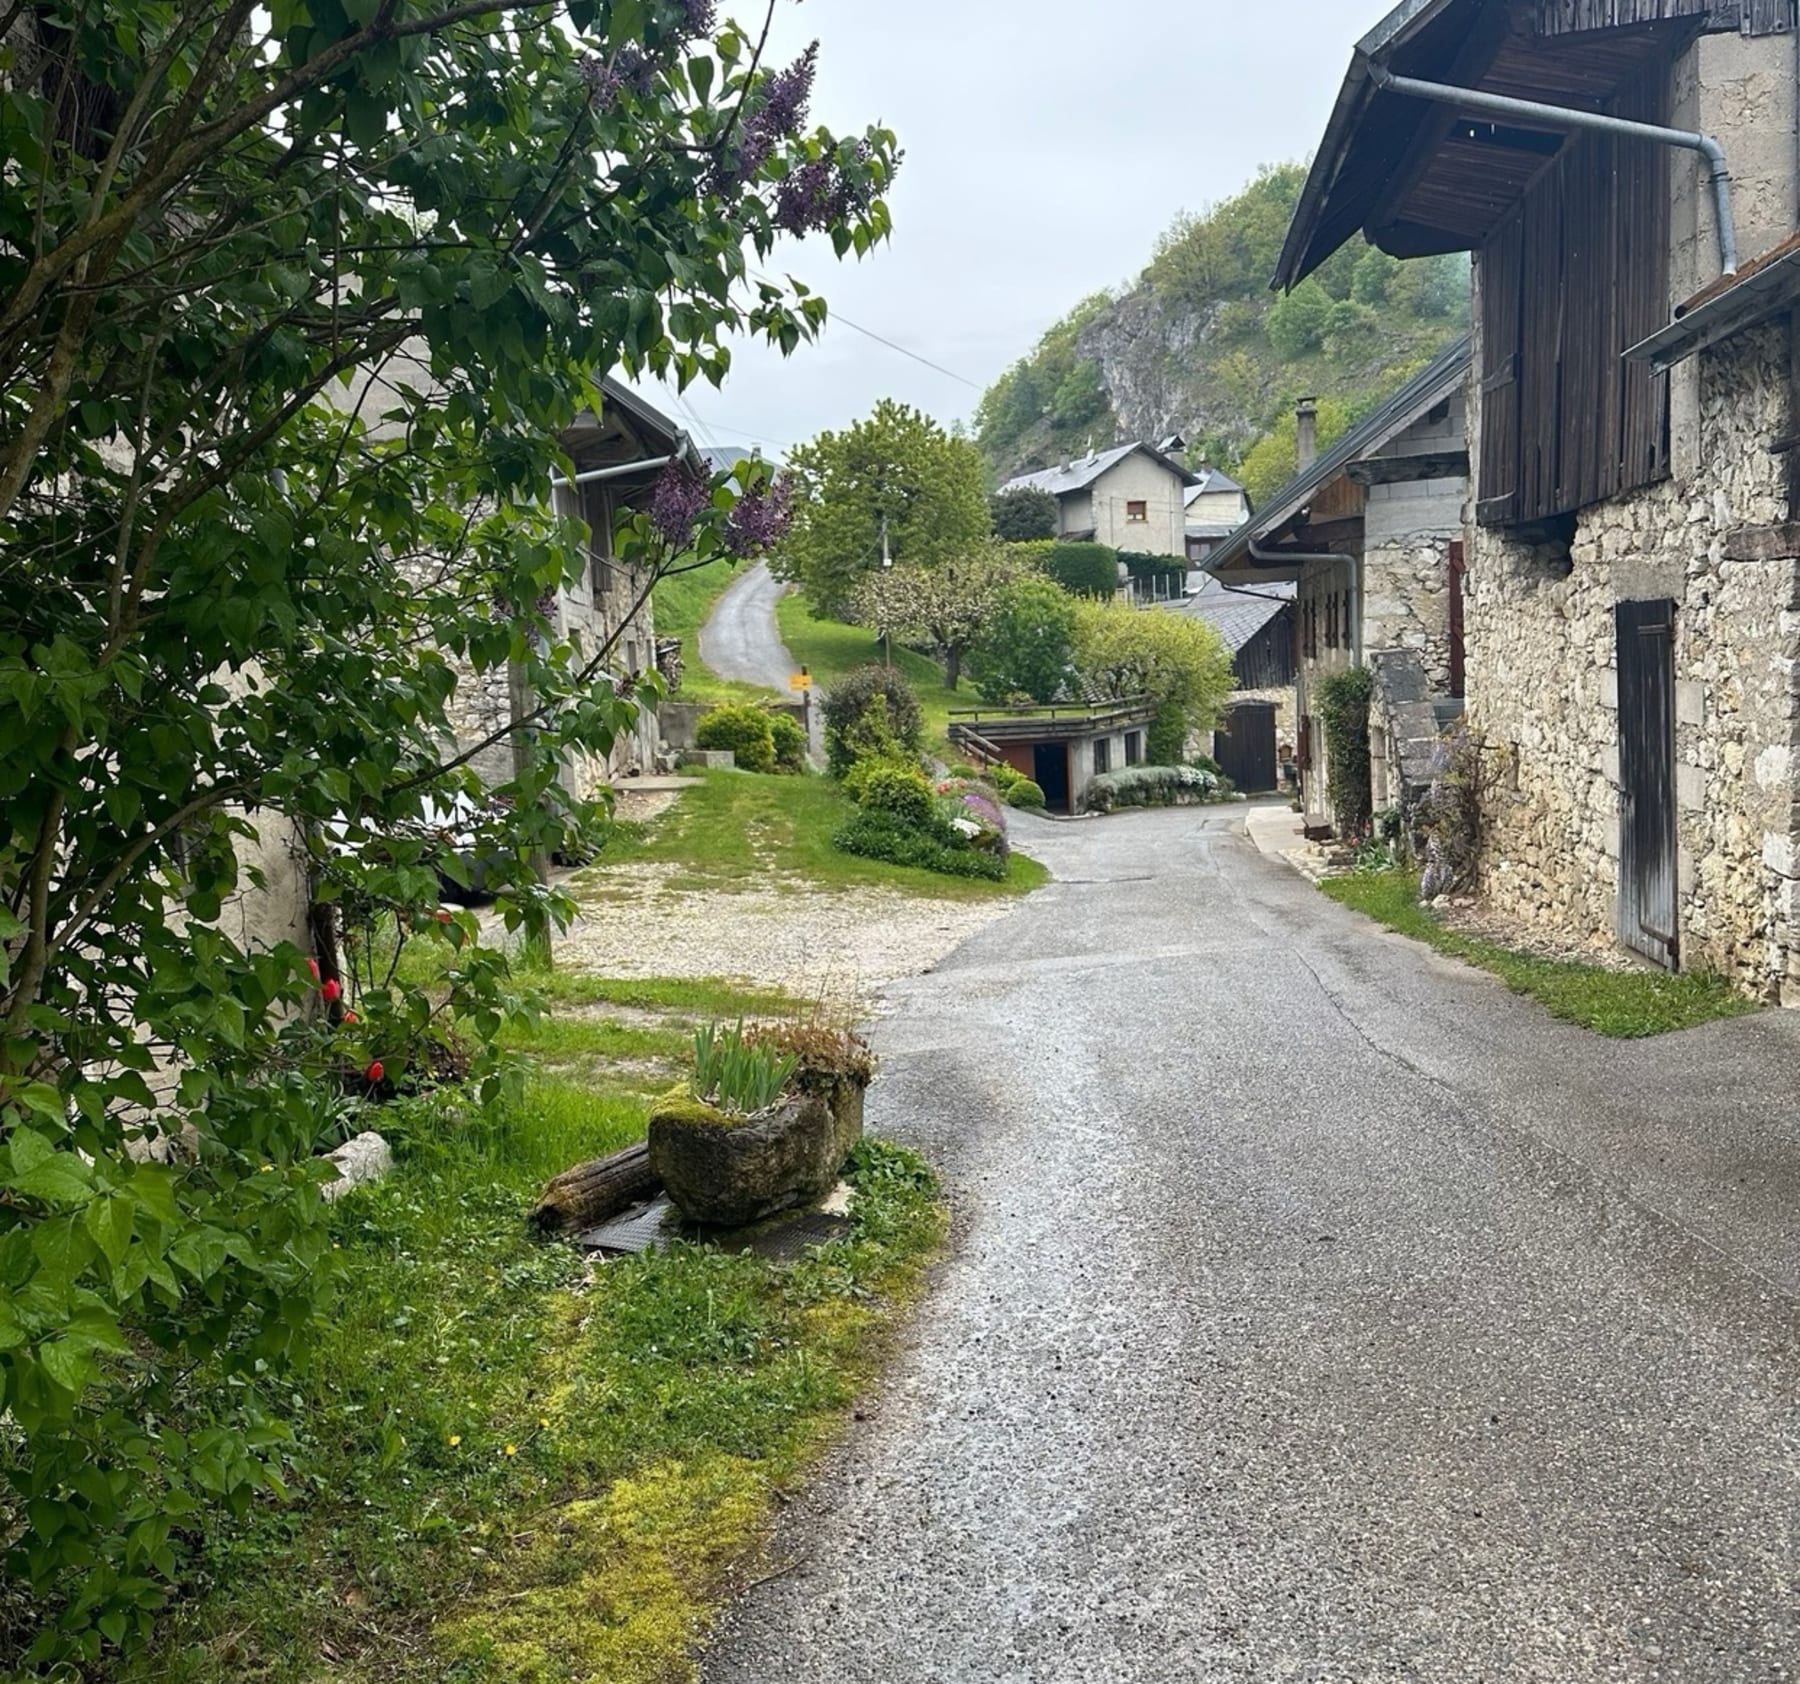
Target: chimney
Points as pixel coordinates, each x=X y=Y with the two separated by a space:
x=1306 y=433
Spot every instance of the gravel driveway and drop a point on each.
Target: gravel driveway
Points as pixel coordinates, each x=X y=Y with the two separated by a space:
x=1317 y=1312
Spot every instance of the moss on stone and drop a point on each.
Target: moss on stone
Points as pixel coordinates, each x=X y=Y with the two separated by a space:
x=679 y=1105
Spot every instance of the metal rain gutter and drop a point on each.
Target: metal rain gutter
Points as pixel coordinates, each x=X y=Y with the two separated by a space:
x=1564 y=117
x=620 y=471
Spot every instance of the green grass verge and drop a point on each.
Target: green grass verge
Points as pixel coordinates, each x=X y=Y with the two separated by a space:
x=828 y=649
x=511 y=1466
x=742 y=831
x=1623 y=1004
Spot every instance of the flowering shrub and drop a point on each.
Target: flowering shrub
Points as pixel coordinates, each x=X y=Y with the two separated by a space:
x=972 y=810
x=1152 y=786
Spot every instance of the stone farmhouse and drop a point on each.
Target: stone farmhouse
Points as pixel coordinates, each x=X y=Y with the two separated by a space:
x=1370 y=532
x=1632 y=554
x=1132 y=497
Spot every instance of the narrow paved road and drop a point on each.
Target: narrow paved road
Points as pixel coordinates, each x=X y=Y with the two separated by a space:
x=1317 y=1312
x=740 y=639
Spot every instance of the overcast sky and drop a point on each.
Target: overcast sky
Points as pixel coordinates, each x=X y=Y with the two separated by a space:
x=1048 y=143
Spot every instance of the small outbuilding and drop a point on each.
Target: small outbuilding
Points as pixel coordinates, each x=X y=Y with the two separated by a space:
x=1062 y=749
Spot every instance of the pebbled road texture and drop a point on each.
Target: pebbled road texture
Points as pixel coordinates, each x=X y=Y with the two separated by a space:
x=1318 y=1311
x=740 y=639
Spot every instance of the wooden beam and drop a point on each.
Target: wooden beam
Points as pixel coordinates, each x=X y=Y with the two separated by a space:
x=1397 y=470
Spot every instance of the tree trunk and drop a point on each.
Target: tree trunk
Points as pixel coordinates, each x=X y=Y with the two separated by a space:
x=953 y=666
x=595 y=1192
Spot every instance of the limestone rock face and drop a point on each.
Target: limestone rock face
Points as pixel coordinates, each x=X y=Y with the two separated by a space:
x=730 y=1172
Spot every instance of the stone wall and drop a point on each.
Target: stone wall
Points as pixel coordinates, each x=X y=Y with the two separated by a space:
x=1543 y=690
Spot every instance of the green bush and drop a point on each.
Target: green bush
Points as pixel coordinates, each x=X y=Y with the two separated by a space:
x=901 y=794
x=1165 y=743
x=875 y=836
x=790 y=742
x=745 y=731
x=872 y=711
x=1003 y=776
x=1152 y=786
x=1085 y=569
x=1342 y=703
x=1025 y=514
x=1024 y=793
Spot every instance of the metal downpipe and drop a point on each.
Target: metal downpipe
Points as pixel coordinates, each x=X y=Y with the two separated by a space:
x=1563 y=117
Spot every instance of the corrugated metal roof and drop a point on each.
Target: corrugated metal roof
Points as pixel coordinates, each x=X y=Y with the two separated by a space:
x=1429 y=387
x=1078 y=476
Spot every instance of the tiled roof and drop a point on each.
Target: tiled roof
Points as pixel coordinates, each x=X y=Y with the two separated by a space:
x=1236 y=615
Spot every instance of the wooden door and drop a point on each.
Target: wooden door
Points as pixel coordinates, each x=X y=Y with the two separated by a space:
x=1245 y=746
x=1648 y=887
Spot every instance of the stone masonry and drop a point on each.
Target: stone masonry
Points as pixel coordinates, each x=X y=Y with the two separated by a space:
x=1543 y=689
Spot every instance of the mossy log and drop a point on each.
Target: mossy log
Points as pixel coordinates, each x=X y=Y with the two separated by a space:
x=595 y=1192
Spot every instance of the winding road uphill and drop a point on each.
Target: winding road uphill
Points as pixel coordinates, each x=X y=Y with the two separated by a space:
x=1317 y=1311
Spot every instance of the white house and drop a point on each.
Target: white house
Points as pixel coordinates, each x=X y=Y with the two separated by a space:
x=1132 y=497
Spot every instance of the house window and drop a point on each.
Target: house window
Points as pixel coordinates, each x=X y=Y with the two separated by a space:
x=1134 y=747
x=1138 y=513
x=1102 y=756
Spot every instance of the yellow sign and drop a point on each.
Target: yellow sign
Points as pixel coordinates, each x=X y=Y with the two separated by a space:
x=801 y=680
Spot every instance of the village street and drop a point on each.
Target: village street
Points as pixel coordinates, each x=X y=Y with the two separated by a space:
x=1316 y=1311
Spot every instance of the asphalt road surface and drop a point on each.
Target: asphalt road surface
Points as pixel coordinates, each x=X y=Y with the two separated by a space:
x=740 y=639
x=1317 y=1311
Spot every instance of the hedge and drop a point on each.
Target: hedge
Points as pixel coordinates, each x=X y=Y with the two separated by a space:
x=1152 y=786
x=1085 y=569
x=876 y=836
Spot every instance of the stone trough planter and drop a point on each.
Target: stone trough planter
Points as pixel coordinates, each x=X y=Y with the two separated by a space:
x=729 y=1171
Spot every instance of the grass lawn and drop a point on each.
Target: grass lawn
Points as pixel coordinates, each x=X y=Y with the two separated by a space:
x=1622 y=1004
x=828 y=649
x=511 y=1466
x=681 y=605
x=741 y=830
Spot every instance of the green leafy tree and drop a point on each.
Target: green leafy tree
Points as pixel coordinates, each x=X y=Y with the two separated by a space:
x=1025 y=514
x=1298 y=320
x=946 y=608
x=1084 y=569
x=1181 y=663
x=1028 y=646
x=296 y=302
x=897 y=469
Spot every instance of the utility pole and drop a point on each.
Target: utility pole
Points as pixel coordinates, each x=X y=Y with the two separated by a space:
x=887 y=561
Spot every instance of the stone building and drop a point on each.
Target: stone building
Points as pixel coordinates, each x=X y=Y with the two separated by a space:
x=1370 y=532
x=1255 y=742
x=1632 y=576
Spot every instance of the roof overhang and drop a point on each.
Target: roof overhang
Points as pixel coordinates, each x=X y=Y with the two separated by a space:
x=1761 y=291
x=1420 y=179
x=1054 y=724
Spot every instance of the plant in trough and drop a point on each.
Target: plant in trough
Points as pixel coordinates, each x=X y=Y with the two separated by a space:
x=739 y=1075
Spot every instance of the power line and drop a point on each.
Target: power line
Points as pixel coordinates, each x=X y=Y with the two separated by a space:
x=880 y=339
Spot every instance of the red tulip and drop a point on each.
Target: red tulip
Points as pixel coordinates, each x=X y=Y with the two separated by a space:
x=331 y=990
x=375 y=1072
x=312 y=966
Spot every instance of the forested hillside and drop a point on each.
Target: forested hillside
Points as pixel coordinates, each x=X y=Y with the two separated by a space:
x=1200 y=346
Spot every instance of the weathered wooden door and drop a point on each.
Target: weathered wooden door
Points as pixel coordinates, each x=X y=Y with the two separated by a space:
x=1648 y=912
x=1245 y=746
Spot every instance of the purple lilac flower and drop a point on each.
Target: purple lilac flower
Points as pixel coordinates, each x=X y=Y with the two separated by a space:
x=677 y=499
x=759 y=520
x=789 y=94
x=806 y=196
x=603 y=81
x=697 y=17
